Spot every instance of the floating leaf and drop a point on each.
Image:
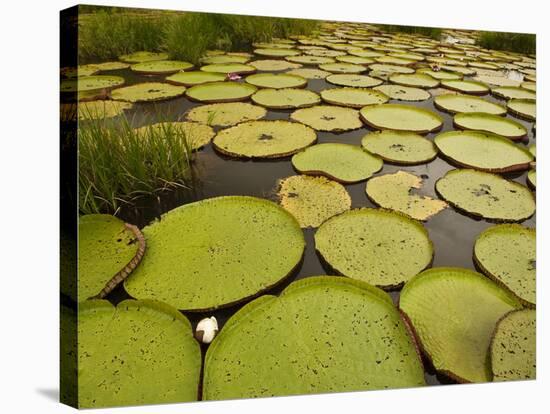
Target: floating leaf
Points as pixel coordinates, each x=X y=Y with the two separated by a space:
x=310 y=60
x=216 y=92
x=523 y=108
x=107 y=66
x=276 y=52
x=101 y=109
x=226 y=114
x=399 y=117
x=400 y=147
x=532 y=178
x=143 y=56
x=417 y=80
x=499 y=125
x=511 y=92
x=196 y=135
x=276 y=80
x=353 y=97
x=466 y=86
x=465 y=103
x=309 y=73
x=286 y=98
x=237 y=68
x=274 y=65
x=217 y=59
x=160 y=67
x=353 y=80
x=328 y=118
x=195 y=78
x=441 y=74
x=404 y=93
x=382 y=69
x=90 y=83
x=148 y=92
x=339 y=67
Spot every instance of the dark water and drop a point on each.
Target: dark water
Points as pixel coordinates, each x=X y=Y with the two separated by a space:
x=452 y=233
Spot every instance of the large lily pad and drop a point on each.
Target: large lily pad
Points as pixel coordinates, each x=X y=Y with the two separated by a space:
x=274 y=65
x=399 y=117
x=340 y=67
x=441 y=74
x=161 y=67
x=381 y=69
x=393 y=60
x=514 y=347
x=483 y=151
x=215 y=92
x=143 y=56
x=523 y=108
x=400 y=147
x=196 y=135
x=312 y=200
x=217 y=252
x=376 y=246
x=357 y=60
x=90 y=83
x=148 y=92
x=511 y=92
x=217 y=59
x=309 y=73
x=342 y=162
x=404 y=93
x=353 y=97
x=226 y=114
x=465 y=103
x=486 y=195
x=264 y=139
x=286 y=98
x=416 y=80
x=310 y=60
x=454 y=312
x=394 y=192
x=141 y=352
x=532 y=178
x=195 y=78
x=286 y=345
x=237 y=68
x=107 y=66
x=276 y=52
x=507 y=254
x=353 y=80
x=466 y=86
x=101 y=109
x=499 y=125
x=276 y=80
x=328 y=118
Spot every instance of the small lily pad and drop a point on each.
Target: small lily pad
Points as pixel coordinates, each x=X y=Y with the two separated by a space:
x=286 y=98
x=523 y=108
x=466 y=103
x=511 y=92
x=274 y=65
x=216 y=92
x=499 y=125
x=355 y=81
x=196 y=135
x=404 y=93
x=101 y=109
x=148 y=92
x=466 y=86
x=400 y=147
x=226 y=114
x=143 y=56
x=399 y=117
x=416 y=80
x=276 y=80
x=353 y=97
x=309 y=73
x=237 y=68
x=340 y=67
x=328 y=118
x=195 y=78
x=161 y=67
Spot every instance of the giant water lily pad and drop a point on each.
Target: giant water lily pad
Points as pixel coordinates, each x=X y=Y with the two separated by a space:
x=286 y=98
x=381 y=69
x=441 y=74
x=217 y=59
x=454 y=312
x=514 y=347
x=486 y=195
x=342 y=162
x=507 y=254
x=286 y=345
x=357 y=60
x=465 y=103
x=309 y=73
x=101 y=109
x=237 y=68
x=340 y=67
x=377 y=246
x=523 y=108
x=416 y=80
x=466 y=86
x=511 y=92
x=483 y=151
x=226 y=114
x=148 y=92
x=310 y=60
x=276 y=80
x=107 y=66
x=393 y=191
x=276 y=52
x=328 y=118
x=195 y=78
x=353 y=80
x=161 y=67
x=264 y=139
x=143 y=56
x=404 y=93
x=214 y=92
x=400 y=147
x=90 y=83
x=393 y=60
x=353 y=97
x=532 y=178
x=499 y=125
x=399 y=117
x=141 y=352
x=274 y=65
x=194 y=134
x=217 y=252
x=312 y=200
x=107 y=247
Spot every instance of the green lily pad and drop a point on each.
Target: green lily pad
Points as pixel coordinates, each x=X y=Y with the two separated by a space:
x=530 y=86
x=511 y=92
x=101 y=109
x=533 y=149
x=376 y=246
x=483 y=151
x=441 y=74
x=276 y=80
x=143 y=56
x=382 y=69
x=82 y=70
x=341 y=162
x=309 y=73
x=356 y=60
x=309 y=60
x=216 y=92
x=417 y=80
x=356 y=81
x=273 y=52
x=196 y=135
x=312 y=200
x=466 y=103
x=486 y=195
x=274 y=65
x=328 y=118
x=353 y=97
x=148 y=92
x=90 y=83
x=223 y=59
x=161 y=67
x=523 y=108
x=226 y=114
x=507 y=254
x=339 y=67
x=217 y=252
x=392 y=60
x=237 y=68
x=393 y=191
x=404 y=93
x=106 y=247
x=141 y=352
x=496 y=79
x=499 y=125
x=286 y=98
x=365 y=53
x=483 y=65
x=195 y=78
x=264 y=139
x=532 y=178
x=325 y=53
x=107 y=66
x=399 y=117
x=454 y=312
x=466 y=86
x=400 y=147
x=513 y=347
x=286 y=345
x=459 y=69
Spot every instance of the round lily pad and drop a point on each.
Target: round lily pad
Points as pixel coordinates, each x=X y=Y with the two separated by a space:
x=215 y=92
x=195 y=78
x=286 y=345
x=499 y=125
x=404 y=93
x=382 y=69
x=441 y=74
x=309 y=73
x=466 y=86
x=353 y=97
x=276 y=52
x=90 y=83
x=377 y=246
x=465 y=103
x=392 y=60
x=325 y=52
x=264 y=139
x=399 y=117
x=274 y=65
x=107 y=248
x=161 y=67
x=217 y=59
x=276 y=80
x=328 y=118
x=340 y=67
x=217 y=252
x=453 y=312
x=286 y=98
x=357 y=60
x=496 y=79
x=486 y=195
x=511 y=92
x=356 y=81
x=196 y=135
x=513 y=347
x=483 y=151
x=400 y=147
x=143 y=56
x=148 y=92
x=312 y=200
x=141 y=352
x=394 y=192
x=523 y=108
x=226 y=114
x=341 y=162
x=107 y=66
x=507 y=254
x=101 y=109
x=82 y=70
x=310 y=60
x=417 y=80
x=237 y=68
x=532 y=178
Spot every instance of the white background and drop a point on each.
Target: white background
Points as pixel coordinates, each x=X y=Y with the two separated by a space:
x=29 y=160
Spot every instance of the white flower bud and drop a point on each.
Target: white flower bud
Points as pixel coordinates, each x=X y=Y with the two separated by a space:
x=206 y=330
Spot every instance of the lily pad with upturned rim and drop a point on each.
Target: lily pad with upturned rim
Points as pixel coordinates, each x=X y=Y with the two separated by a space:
x=523 y=108
x=226 y=114
x=196 y=135
x=495 y=124
x=276 y=80
x=466 y=103
x=328 y=118
x=532 y=178
x=309 y=73
x=276 y=52
x=161 y=67
x=217 y=92
x=237 y=68
x=416 y=80
x=223 y=59
x=353 y=80
x=90 y=83
x=310 y=60
x=108 y=66
x=466 y=86
x=195 y=78
x=274 y=65
x=399 y=117
x=407 y=148
x=387 y=70
x=148 y=92
x=511 y=92
x=101 y=109
x=441 y=74
x=288 y=98
x=404 y=93
x=339 y=67
x=353 y=97
x=143 y=56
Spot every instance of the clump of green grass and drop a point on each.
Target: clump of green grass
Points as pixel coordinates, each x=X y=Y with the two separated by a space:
x=512 y=42
x=432 y=32
x=118 y=164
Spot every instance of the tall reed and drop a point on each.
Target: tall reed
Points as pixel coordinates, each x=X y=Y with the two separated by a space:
x=512 y=42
